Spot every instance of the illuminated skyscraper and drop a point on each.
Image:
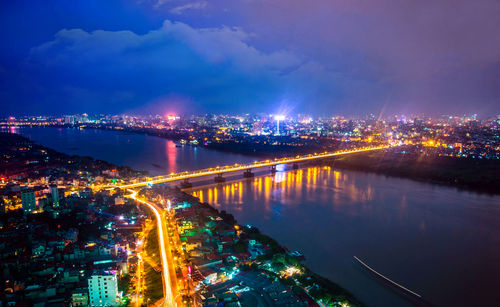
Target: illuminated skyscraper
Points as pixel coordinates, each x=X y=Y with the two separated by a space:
x=278 y=118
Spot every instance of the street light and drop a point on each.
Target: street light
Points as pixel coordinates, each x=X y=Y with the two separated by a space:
x=278 y=118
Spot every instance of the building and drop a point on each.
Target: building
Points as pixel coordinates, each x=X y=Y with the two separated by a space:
x=28 y=200
x=103 y=289
x=55 y=195
x=80 y=297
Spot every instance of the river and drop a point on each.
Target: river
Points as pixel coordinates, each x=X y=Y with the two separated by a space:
x=437 y=241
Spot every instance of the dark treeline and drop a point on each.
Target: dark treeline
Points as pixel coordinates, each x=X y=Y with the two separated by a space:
x=480 y=175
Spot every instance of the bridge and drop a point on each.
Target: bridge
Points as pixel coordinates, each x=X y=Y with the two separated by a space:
x=219 y=170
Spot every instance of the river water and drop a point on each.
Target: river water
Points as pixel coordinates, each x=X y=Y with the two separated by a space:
x=439 y=242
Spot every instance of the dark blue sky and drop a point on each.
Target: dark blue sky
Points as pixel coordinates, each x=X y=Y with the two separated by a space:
x=195 y=56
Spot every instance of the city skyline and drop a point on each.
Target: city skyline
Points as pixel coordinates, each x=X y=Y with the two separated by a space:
x=249 y=56
x=256 y=115
x=192 y=153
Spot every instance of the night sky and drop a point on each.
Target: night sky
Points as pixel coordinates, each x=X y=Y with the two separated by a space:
x=323 y=57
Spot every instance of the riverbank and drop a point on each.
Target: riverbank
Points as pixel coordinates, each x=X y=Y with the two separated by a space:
x=463 y=173
x=243 y=251
x=305 y=284
x=278 y=146
x=409 y=162
x=23 y=158
x=477 y=175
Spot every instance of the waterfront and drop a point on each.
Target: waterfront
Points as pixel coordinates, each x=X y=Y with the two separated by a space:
x=435 y=240
x=156 y=155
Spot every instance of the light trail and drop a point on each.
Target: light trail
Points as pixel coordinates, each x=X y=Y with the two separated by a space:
x=139 y=280
x=385 y=278
x=238 y=167
x=167 y=285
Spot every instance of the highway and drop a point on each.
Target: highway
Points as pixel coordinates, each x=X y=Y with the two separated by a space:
x=240 y=167
x=168 y=269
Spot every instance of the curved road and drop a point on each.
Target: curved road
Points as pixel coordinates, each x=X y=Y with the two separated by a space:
x=168 y=269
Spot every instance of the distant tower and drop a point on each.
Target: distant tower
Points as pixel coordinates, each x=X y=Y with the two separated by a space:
x=278 y=118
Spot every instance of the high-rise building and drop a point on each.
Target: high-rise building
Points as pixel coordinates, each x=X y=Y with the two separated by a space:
x=28 y=200
x=55 y=195
x=103 y=289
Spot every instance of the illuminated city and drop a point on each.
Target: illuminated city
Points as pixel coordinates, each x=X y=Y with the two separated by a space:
x=249 y=153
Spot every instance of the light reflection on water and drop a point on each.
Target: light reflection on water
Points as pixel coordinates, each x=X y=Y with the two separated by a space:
x=287 y=185
x=413 y=232
x=439 y=242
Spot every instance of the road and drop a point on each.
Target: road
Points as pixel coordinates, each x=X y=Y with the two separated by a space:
x=240 y=167
x=170 y=290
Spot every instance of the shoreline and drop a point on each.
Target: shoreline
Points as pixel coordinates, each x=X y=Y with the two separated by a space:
x=440 y=171
x=479 y=187
x=328 y=288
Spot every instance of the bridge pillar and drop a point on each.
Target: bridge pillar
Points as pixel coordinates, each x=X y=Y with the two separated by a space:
x=295 y=166
x=219 y=178
x=186 y=184
x=273 y=169
x=248 y=174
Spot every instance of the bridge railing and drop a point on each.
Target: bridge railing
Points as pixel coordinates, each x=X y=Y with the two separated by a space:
x=256 y=164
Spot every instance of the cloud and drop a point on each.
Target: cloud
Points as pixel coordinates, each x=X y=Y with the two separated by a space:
x=159 y=3
x=216 y=68
x=217 y=46
x=324 y=56
x=329 y=56
x=198 y=5
x=427 y=56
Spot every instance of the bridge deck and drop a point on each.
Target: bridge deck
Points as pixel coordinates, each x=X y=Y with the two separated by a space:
x=240 y=167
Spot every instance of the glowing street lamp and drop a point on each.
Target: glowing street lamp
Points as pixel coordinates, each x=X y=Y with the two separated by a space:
x=278 y=118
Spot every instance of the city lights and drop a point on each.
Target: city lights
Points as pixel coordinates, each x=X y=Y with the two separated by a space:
x=139 y=138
